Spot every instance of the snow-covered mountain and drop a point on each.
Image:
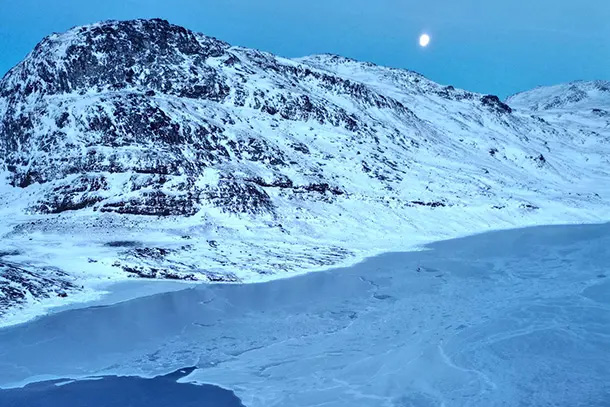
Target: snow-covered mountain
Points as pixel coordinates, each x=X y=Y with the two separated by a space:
x=140 y=148
x=572 y=96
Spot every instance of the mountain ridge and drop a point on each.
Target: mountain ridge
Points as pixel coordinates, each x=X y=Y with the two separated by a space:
x=576 y=94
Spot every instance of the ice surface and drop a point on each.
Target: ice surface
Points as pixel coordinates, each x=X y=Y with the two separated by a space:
x=507 y=318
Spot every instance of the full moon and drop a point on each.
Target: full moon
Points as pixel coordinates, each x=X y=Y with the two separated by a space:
x=424 y=40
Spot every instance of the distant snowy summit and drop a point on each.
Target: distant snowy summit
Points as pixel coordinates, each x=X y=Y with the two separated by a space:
x=570 y=96
x=140 y=148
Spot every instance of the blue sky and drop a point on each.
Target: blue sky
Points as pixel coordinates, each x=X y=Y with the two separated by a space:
x=488 y=46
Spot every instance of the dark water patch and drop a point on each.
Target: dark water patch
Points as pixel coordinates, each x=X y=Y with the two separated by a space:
x=113 y=391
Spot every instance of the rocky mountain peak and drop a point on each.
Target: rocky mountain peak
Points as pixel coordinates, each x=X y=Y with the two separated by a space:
x=145 y=117
x=115 y=55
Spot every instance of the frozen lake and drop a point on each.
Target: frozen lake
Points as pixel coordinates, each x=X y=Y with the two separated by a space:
x=512 y=318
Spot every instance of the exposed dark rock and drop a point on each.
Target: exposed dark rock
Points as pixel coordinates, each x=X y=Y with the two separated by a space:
x=239 y=197
x=600 y=112
x=430 y=204
x=20 y=281
x=540 y=160
x=281 y=182
x=301 y=148
x=155 y=203
x=321 y=188
x=154 y=273
x=494 y=103
x=80 y=193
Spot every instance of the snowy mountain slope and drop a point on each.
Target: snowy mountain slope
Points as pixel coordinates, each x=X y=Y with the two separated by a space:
x=578 y=95
x=583 y=107
x=141 y=148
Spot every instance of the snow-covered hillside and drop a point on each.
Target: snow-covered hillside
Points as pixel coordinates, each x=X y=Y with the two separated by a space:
x=140 y=148
x=574 y=96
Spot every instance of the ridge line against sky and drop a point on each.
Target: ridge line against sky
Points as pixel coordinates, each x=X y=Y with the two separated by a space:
x=477 y=45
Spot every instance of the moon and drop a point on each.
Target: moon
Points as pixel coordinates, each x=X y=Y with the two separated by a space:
x=424 y=40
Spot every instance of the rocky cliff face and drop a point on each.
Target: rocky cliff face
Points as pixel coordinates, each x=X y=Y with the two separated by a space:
x=258 y=164
x=163 y=105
